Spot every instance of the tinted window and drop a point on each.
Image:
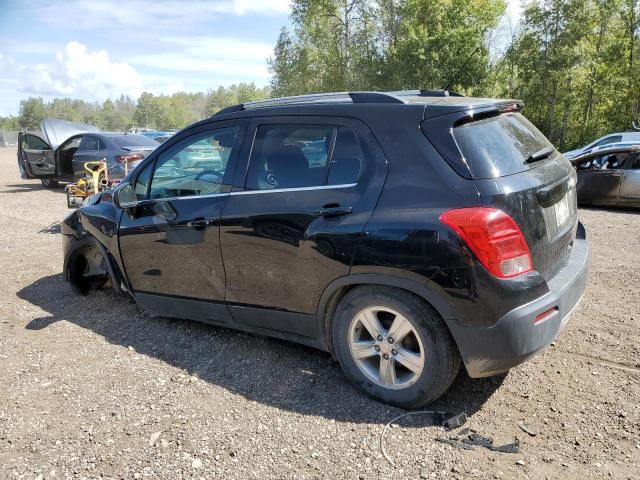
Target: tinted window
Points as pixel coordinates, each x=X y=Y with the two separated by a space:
x=608 y=140
x=347 y=161
x=297 y=156
x=499 y=145
x=89 y=143
x=194 y=166
x=289 y=156
x=31 y=142
x=133 y=140
x=635 y=165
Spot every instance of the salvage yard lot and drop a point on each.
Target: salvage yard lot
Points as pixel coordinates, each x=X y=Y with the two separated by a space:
x=93 y=387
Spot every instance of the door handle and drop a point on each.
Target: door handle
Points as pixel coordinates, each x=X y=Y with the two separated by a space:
x=332 y=211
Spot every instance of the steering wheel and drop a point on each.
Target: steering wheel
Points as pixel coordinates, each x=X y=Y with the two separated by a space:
x=267 y=181
x=210 y=172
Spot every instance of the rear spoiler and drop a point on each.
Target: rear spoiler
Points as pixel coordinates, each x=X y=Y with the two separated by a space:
x=596 y=152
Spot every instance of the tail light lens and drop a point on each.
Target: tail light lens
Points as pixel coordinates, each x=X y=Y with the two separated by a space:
x=494 y=237
x=133 y=157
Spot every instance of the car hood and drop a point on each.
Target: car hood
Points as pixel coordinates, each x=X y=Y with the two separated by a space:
x=56 y=131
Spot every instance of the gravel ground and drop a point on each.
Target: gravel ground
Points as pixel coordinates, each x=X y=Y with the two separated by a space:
x=96 y=388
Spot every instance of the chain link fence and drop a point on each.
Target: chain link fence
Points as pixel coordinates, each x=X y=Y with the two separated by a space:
x=8 y=138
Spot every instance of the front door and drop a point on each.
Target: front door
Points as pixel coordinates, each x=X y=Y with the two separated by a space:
x=599 y=180
x=170 y=241
x=630 y=189
x=35 y=157
x=297 y=212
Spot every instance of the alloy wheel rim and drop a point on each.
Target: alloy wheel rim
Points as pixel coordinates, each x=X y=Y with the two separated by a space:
x=386 y=347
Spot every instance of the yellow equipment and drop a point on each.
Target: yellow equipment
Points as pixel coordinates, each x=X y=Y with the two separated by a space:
x=95 y=180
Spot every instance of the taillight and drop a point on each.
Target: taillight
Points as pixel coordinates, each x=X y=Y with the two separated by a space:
x=133 y=157
x=494 y=237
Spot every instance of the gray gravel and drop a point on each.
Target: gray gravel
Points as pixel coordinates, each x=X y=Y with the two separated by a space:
x=93 y=387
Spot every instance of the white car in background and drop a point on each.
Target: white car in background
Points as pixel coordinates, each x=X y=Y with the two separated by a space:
x=631 y=138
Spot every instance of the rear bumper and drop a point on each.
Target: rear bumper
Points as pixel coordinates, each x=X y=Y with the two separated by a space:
x=517 y=336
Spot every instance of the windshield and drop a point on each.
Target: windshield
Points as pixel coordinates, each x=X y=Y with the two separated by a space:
x=500 y=145
x=133 y=140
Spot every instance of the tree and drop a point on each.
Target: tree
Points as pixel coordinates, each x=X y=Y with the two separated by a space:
x=32 y=112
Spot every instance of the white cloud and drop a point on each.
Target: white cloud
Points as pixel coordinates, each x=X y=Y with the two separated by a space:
x=161 y=16
x=80 y=73
x=227 y=57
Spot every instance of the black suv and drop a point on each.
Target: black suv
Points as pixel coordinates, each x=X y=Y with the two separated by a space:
x=403 y=232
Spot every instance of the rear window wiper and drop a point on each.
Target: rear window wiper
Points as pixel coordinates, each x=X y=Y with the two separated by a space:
x=540 y=155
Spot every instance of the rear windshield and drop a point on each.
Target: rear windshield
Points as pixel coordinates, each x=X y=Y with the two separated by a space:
x=499 y=145
x=133 y=140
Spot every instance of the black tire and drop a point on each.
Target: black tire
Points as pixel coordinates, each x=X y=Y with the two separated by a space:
x=441 y=357
x=49 y=182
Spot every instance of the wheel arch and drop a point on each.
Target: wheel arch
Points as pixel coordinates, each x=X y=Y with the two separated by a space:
x=81 y=248
x=337 y=289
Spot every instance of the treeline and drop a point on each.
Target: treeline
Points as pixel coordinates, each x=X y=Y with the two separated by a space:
x=573 y=62
x=152 y=111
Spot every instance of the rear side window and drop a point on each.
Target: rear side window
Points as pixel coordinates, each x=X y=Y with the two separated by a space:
x=608 y=140
x=89 y=143
x=499 y=145
x=299 y=156
x=635 y=164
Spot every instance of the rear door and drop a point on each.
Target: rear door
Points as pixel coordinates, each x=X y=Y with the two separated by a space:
x=630 y=188
x=35 y=156
x=297 y=212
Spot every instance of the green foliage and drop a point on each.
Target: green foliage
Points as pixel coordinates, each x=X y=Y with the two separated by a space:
x=32 y=112
x=574 y=62
x=387 y=44
x=151 y=111
x=575 y=65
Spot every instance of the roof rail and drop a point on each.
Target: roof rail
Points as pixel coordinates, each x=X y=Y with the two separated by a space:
x=427 y=93
x=320 y=98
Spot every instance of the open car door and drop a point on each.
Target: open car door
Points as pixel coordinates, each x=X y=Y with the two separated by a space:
x=600 y=174
x=35 y=156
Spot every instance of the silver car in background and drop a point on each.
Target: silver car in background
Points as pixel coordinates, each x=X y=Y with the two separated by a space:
x=61 y=148
x=609 y=176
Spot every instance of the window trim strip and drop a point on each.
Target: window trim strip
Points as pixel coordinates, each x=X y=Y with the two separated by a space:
x=295 y=189
x=251 y=192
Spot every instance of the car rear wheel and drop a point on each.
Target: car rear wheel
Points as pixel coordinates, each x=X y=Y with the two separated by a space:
x=394 y=346
x=49 y=182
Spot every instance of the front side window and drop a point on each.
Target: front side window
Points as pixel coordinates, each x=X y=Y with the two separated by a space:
x=194 y=166
x=299 y=156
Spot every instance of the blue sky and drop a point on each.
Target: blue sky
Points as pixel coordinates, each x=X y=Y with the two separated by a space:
x=94 y=49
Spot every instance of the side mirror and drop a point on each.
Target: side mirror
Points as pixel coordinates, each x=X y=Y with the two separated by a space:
x=125 y=196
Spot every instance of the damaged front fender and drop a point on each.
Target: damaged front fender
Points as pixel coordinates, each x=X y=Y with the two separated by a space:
x=87 y=263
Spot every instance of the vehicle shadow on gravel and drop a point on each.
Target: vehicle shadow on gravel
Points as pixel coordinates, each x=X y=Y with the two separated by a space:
x=269 y=371
x=29 y=187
